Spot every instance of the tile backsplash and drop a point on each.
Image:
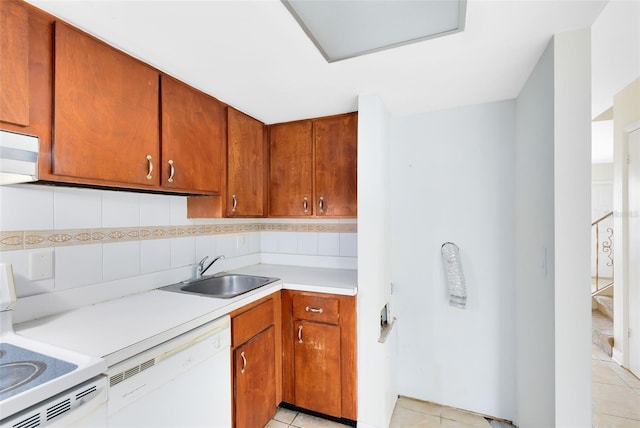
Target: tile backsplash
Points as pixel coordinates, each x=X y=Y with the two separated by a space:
x=107 y=243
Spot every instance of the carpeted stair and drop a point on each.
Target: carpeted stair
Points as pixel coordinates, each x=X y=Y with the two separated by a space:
x=602 y=323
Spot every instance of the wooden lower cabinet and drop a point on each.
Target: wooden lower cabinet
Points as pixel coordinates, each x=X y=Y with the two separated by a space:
x=256 y=348
x=254 y=386
x=298 y=348
x=319 y=352
x=316 y=367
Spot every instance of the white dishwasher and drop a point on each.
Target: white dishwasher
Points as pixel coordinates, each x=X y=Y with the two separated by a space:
x=184 y=382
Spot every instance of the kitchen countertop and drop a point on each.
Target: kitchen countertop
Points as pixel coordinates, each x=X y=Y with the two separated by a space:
x=121 y=328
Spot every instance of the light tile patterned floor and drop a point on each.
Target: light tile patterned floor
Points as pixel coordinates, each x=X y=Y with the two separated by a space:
x=290 y=418
x=615 y=394
x=413 y=413
x=615 y=404
x=408 y=413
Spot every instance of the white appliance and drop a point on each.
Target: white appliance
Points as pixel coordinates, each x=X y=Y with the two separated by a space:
x=83 y=406
x=42 y=384
x=184 y=382
x=18 y=157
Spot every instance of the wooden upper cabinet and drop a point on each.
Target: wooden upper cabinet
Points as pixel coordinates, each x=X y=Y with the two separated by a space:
x=105 y=112
x=193 y=133
x=246 y=165
x=291 y=169
x=14 y=63
x=313 y=167
x=336 y=158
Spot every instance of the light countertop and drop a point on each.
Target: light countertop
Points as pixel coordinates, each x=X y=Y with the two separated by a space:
x=121 y=328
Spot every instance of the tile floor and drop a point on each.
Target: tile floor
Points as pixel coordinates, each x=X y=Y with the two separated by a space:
x=408 y=413
x=285 y=418
x=615 y=404
x=413 y=413
x=615 y=394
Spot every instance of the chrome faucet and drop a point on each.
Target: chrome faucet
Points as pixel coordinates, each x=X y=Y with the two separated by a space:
x=201 y=269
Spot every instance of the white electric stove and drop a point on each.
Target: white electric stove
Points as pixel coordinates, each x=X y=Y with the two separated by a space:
x=42 y=384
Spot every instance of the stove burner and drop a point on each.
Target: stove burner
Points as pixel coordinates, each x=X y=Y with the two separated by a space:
x=22 y=369
x=14 y=375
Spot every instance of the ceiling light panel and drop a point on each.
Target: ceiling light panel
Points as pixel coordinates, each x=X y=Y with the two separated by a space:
x=343 y=29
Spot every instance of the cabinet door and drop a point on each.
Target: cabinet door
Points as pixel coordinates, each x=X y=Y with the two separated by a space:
x=290 y=169
x=193 y=132
x=14 y=63
x=317 y=374
x=106 y=112
x=336 y=157
x=254 y=386
x=245 y=165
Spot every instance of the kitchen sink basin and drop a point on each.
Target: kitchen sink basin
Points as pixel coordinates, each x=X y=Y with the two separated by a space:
x=224 y=286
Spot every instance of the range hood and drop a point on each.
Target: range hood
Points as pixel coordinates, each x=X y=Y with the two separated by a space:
x=18 y=158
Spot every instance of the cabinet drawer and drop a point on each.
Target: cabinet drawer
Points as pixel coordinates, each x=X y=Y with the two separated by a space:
x=247 y=324
x=313 y=308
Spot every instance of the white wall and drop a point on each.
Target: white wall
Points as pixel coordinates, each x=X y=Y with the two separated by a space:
x=452 y=179
x=552 y=233
x=377 y=362
x=534 y=304
x=615 y=42
x=572 y=226
x=601 y=188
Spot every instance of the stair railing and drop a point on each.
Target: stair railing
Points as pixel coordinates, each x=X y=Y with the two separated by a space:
x=604 y=247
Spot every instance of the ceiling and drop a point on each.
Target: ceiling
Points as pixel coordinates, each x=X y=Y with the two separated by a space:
x=254 y=56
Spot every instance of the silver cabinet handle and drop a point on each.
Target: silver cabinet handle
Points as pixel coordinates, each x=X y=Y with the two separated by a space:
x=244 y=362
x=173 y=171
x=299 y=334
x=149 y=176
x=314 y=310
x=234 y=203
x=321 y=204
x=305 y=204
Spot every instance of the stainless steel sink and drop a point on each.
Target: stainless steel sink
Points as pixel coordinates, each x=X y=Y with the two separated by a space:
x=224 y=286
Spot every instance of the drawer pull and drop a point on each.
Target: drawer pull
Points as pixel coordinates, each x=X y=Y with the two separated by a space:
x=299 y=334
x=314 y=310
x=244 y=362
x=149 y=176
x=173 y=171
x=234 y=203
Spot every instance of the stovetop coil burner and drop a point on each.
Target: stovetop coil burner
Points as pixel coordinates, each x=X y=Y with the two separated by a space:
x=22 y=369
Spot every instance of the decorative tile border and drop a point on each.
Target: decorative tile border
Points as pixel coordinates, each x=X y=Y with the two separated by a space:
x=32 y=239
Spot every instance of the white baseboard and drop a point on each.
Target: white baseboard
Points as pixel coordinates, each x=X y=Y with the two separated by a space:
x=618 y=356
